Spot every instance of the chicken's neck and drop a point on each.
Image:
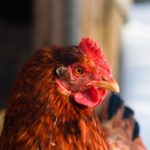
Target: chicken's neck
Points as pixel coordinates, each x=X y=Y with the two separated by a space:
x=76 y=123
x=49 y=118
x=63 y=109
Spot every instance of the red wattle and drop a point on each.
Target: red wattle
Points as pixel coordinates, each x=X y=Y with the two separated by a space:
x=90 y=97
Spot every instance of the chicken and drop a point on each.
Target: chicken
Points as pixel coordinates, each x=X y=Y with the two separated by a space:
x=128 y=122
x=110 y=107
x=111 y=116
x=119 y=125
x=114 y=126
x=51 y=103
x=137 y=142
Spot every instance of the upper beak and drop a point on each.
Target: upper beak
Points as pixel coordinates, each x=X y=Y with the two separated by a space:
x=110 y=84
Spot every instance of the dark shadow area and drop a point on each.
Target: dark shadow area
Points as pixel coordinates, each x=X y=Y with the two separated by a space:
x=16 y=11
x=15 y=41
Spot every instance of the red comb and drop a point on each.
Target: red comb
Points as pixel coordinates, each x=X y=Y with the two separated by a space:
x=90 y=48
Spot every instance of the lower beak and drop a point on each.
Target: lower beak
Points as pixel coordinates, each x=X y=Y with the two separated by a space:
x=110 y=84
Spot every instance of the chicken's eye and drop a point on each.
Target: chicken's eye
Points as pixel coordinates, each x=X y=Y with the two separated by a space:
x=79 y=70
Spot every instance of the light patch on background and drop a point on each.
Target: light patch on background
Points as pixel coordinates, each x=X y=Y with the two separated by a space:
x=136 y=66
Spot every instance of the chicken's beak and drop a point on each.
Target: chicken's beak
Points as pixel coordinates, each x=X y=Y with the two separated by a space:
x=110 y=84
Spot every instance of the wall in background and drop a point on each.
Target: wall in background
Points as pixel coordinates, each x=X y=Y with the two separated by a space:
x=28 y=25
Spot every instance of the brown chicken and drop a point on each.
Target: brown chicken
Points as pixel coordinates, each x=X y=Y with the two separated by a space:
x=120 y=135
x=137 y=143
x=51 y=102
x=119 y=125
x=112 y=108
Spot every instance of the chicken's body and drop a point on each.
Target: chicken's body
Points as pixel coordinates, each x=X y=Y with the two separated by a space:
x=53 y=125
x=51 y=102
x=119 y=125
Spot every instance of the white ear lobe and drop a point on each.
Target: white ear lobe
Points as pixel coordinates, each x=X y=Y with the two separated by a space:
x=62 y=71
x=58 y=71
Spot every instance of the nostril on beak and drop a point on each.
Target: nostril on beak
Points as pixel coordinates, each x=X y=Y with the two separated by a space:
x=104 y=78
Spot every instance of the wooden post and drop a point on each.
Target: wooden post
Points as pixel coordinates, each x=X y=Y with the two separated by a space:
x=72 y=21
x=48 y=22
x=56 y=21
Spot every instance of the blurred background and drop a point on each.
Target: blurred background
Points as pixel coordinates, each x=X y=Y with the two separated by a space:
x=120 y=27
